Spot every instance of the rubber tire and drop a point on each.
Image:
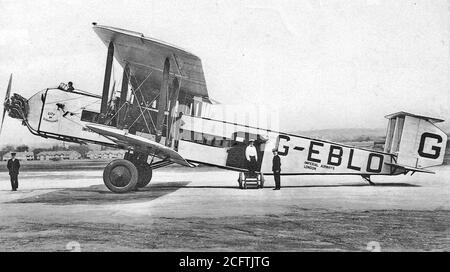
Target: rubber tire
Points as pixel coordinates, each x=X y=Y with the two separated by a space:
x=240 y=180
x=132 y=171
x=145 y=174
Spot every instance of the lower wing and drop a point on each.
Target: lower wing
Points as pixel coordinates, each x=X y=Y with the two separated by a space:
x=131 y=141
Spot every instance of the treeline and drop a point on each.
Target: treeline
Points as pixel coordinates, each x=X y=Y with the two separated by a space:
x=82 y=149
x=362 y=138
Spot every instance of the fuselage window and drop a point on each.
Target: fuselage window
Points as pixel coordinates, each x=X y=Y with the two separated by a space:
x=205 y=139
x=89 y=116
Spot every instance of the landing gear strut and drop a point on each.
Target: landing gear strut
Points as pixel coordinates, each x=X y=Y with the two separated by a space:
x=144 y=175
x=144 y=169
x=128 y=174
x=367 y=178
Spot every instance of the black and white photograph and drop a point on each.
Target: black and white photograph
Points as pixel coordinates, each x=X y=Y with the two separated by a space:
x=224 y=126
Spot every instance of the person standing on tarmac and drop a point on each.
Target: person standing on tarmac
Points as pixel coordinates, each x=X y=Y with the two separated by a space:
x=276 y=169
x=13 y=166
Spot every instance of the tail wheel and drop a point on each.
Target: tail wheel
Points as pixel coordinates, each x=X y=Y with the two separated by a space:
x=120 y=176
x=144 y=176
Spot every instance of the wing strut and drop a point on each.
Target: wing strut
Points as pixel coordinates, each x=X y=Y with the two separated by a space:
x=173 y=101
x=162 y=102
x=123 y=97
x=109 y=62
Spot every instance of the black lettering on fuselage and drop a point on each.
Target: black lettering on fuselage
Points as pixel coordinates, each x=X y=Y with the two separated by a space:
x=369 y=163
x=286 y=148
x=332 y=155
x=436 y=149
x=350 y=160
x=312 y=151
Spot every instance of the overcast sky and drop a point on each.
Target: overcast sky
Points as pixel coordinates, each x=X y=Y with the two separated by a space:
x=326 y=64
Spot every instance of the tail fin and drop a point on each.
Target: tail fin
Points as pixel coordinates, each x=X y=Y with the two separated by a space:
x=416 y=141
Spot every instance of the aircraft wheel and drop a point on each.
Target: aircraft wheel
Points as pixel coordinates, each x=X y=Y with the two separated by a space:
x=144 y=175
x=120 y=176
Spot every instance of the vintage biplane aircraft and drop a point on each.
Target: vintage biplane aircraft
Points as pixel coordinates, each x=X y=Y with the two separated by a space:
x=159 y=82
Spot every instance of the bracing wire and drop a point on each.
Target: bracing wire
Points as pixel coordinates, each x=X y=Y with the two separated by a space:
x=139 y=89
x=139 y=103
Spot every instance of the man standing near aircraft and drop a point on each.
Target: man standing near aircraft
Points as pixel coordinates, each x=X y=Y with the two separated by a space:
x=252 y=158
x=276 y=169
x=176 y=130
x=13 y=168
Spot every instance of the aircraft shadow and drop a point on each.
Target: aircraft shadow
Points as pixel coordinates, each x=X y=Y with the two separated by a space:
x=312 y=186
x=353 y=185
x=99 y=194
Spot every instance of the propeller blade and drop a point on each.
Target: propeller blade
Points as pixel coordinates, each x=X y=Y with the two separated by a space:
x=8 y=92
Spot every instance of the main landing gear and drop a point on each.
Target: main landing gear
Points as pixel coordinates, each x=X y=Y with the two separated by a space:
x=127 y=174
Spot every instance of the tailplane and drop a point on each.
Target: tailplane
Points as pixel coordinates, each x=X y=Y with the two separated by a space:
x=415 y=140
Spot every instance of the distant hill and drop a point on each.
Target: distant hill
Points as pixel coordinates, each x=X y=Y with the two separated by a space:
x=345 y=134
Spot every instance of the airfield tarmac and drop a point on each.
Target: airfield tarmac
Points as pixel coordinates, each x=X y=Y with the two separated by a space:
x=203 y=210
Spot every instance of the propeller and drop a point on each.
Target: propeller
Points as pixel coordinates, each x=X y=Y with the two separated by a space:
x=5 y=102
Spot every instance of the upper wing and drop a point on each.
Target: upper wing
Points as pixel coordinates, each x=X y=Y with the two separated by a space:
x=146 y=56
x=145 y=145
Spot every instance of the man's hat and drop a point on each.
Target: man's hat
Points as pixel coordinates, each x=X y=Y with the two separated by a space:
x=274 y=150
x=13 y=153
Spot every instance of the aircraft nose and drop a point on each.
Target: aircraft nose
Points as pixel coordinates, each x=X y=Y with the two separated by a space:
x=17 y=107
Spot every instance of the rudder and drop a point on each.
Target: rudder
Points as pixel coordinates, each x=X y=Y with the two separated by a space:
x=415 y=140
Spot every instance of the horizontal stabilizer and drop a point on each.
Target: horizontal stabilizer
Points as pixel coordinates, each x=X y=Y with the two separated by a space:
x=126 y=140
x=409 y=168
x=403 y=114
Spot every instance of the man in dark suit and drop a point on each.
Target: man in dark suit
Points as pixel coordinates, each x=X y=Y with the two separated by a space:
x=13 y=167
x=276 y=169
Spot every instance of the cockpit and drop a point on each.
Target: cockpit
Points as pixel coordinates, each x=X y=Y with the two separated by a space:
x=63 y=86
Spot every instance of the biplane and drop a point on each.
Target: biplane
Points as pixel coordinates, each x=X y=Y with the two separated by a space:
x=164 y=115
